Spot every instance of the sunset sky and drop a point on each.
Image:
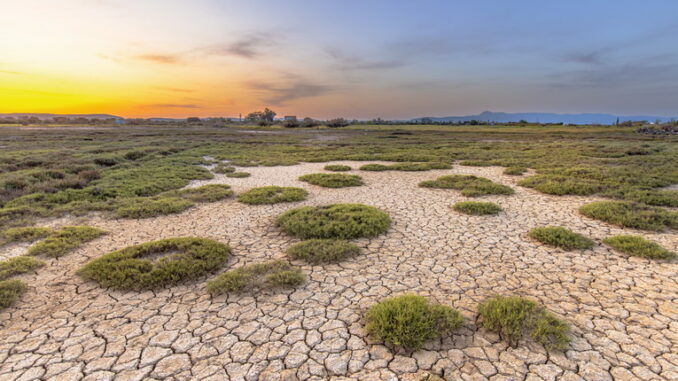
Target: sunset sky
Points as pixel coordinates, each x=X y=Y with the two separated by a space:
x=356 y=59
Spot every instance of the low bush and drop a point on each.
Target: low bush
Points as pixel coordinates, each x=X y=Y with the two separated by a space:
x=206 y=193
x=318 y=251
x=133 y=268
x=332 y=180
x=223 y=169
x=560 y=237
x=25 y=234
x=272 y=195
x=513 y=317
x=405 y=167
x=515 y=171
x=337 y=168
x=18 y=265
x=238 y=175
x=469 y=185
x=334 y=221
x=259 y=275
x=10 y=290
x=62 y=241
x=147 y=207
x=409 y=321
x=477 y=208
x=631 y=215
x=562 y=185
x=639 y=247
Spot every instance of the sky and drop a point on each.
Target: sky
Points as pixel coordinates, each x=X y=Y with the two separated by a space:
x=324 y=59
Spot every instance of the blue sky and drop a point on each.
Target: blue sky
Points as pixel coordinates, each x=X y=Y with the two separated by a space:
x=363 y=59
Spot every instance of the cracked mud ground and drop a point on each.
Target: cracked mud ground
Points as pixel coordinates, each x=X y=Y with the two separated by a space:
x=623 y=311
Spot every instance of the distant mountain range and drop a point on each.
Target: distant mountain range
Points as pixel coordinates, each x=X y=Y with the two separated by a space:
x=51 y=116
x=541 y=117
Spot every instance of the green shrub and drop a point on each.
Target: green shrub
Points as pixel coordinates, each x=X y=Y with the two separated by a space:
x=477 y=208
x=405 y=167
x=317 y=251
x=631 y=215
x=268 y=274
x=186 y=258
x=639 y=247
x=223 y=169
x=272 y=195
x=337 y=168
x=374 y=167
x=513 y=317
x=146 y=207
x=409 y=321
x=332 y=180
x=18 y=265
x=206 y=193
x=515 y=171
x=469 y=185
x=334 y=221
x=238 y=175
x=562 y=185
x=560 y=237
x=10 y=290
x=64 y=240
x=26 y=234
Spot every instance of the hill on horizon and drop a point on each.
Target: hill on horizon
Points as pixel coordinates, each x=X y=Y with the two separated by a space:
x=540 y=117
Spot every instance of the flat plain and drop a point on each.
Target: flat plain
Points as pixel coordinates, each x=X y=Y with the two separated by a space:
x=622 y=309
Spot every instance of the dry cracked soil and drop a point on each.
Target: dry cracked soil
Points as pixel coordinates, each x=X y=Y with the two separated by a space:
x=623 y=310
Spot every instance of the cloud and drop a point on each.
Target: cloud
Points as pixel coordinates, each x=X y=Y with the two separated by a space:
x=171 y=105
x=249 y=46
x=173 y=89
x=160 y=58
x=277 y=94
x=346 y=61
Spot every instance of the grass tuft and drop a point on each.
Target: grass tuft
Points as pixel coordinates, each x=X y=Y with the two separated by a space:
x=513 y=317
x=560 y=237
x=410 y=320
x=271 y=274
x=133 y=268
x=469 y=185
x=316 y=251
x=409 y=167
x=223 y=169
x=639 y=247
x=631 y=215
x=332 y=180
x=334 y=221
x=25 y=234
x=337 y=168
x=64 y=240
x=206 y=193
x=238 y=175
x=272 y=195
x=10 y=291
x=18 y=265
x=477 y=208
x=515 y=171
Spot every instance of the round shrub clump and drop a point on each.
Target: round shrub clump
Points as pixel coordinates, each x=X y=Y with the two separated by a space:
x=337 y=168
x=128 y=269
x=10 y=291
x=560 y=237
x=272 y=195
x=207 y=193
x=639 y=247
x=332 y=180
x=374 y=167
x=317 y=251
x=408 y=321
x=238 y=175
x=631 y=215
x=477 y=208
x=513 y=317
x=334 y=221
